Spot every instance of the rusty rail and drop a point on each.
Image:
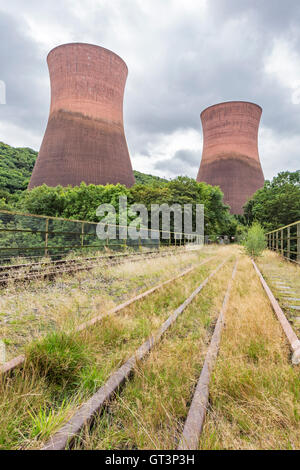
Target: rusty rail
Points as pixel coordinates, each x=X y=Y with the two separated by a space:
x=19 y=360
x=286 y=326
x=86 y=413
x=196 y=416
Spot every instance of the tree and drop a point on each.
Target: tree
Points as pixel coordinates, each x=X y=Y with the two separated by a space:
x=276 y=204
x=255 y=242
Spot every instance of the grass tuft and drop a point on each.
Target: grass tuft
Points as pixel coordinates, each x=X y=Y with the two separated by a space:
x=60 y=358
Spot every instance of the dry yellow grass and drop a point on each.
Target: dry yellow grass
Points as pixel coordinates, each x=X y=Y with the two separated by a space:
x=30 y=403
x=150 y=412
x=276 y=270
x=255 y=392
x=31 y=310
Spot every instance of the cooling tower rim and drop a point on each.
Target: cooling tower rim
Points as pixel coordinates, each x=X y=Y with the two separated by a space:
x=230 y=102
x=85 y=44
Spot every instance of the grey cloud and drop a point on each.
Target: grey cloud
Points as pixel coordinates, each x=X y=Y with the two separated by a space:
x=22 y=68
x=176 y=69
x=184 y=162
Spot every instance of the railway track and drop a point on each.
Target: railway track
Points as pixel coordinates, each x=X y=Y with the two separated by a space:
x=84 y=417
x=34 y=271
x=19 y=360
x=89 y=412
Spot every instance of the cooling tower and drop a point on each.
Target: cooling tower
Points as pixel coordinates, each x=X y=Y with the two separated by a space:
x=84 y=138
x=230 y=156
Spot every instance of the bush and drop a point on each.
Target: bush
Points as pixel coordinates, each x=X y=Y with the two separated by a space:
x=255 y=242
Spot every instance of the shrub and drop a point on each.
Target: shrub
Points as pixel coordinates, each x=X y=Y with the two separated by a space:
x=255 y=242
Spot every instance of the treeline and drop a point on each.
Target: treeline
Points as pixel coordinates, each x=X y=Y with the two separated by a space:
x=81 y=202
x=276 y=204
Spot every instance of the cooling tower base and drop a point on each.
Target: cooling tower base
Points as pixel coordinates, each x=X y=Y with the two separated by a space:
x=238 y=176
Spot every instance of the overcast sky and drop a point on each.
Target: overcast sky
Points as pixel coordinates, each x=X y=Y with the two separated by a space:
x=182 y=55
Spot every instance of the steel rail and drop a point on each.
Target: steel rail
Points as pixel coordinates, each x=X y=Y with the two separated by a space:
x=86 y=413
x=286 y=326
x=196 y=415
x=19 y=360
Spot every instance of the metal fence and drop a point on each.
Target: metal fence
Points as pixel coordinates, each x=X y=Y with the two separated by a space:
x=286 y=241
x=35 y=236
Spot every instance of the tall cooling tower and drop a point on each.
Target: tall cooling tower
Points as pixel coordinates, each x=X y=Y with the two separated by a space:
x=230 y=156
x=84 y=139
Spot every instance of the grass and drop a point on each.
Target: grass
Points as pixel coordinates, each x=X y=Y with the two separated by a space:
x=272 y=264
x=30 y=311
x=150 y=411
x=63 y=370
x=255 y=392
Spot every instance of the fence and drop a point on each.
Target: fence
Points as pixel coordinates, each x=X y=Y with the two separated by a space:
x=35 y=236
x=286 y=241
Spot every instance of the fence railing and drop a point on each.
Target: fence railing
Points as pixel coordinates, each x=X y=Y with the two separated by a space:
x=286 y=241
x=34 y=236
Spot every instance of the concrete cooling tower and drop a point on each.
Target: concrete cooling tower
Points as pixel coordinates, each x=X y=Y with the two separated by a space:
x=84 y=138
x=230 y=156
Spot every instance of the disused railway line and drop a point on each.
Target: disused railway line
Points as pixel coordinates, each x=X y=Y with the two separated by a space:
x=189 y=440
x=19 y=360
x=85 y=416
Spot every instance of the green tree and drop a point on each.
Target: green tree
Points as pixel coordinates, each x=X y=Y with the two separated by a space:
x=255 y=242
x=276 y=204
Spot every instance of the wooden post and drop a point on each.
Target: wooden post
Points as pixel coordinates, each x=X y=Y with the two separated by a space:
x=277 y=241
x=46 y=237
x=289 y=242
x=281 y=242
x=82 y=234
x=298 y=242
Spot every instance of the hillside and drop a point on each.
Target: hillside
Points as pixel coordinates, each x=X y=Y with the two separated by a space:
x=143 y=178
x=16 y=165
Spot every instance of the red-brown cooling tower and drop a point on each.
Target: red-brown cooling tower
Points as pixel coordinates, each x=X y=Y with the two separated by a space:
x=230 y=151
x=84 y=139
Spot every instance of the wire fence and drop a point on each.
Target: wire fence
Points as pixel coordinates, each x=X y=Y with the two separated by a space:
x=35 y=236
x=286 y=241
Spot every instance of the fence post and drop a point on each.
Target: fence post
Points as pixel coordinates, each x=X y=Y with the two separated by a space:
x=276 y=241
x=289 y=242
x=46 y=237
x=281 y=243
x=298 y=242
x=82 y=234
